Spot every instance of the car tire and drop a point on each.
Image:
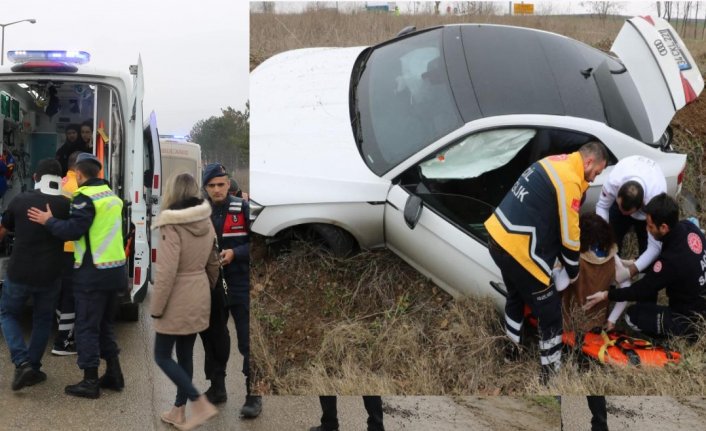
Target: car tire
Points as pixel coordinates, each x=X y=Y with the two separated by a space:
x=336 y=240
x=129 y=312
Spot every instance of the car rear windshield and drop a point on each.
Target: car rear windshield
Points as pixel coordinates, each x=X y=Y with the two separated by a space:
x=403 y=100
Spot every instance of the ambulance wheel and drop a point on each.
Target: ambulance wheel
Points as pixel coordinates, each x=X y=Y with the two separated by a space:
x=336 y=240
x=129 y=312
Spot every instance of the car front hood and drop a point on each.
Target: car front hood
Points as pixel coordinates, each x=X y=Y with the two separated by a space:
x=302 y=148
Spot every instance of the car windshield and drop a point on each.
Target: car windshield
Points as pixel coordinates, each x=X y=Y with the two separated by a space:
x=403 y=100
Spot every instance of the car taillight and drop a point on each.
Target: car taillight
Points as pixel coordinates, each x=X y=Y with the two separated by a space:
x=154 y=255
x=137 y=280
x=680 y=178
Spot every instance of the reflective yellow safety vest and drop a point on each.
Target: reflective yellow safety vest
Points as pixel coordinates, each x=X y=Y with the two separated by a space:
x=105 y=234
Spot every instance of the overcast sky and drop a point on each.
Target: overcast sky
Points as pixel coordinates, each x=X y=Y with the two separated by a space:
x=194 y=53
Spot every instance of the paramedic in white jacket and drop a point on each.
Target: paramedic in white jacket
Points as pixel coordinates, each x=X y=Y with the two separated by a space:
x=634 y=181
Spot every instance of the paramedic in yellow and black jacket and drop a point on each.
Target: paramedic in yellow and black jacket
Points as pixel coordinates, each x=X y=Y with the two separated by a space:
x=536 y=223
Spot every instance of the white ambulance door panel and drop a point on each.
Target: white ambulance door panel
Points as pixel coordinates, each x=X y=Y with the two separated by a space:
x=138 y=207
x=153 y=165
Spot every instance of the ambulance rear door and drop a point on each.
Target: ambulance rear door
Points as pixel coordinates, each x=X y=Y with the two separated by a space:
x=138 y=209
x=153 y=183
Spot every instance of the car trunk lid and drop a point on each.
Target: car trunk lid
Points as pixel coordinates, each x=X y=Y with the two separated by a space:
x=665 y=74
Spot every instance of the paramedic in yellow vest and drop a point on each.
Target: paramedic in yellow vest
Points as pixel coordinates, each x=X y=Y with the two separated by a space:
x=95 y=226
x=64 y=344
x=535 y=224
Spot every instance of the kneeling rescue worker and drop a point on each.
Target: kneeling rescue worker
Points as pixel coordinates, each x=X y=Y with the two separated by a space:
x=680 y=269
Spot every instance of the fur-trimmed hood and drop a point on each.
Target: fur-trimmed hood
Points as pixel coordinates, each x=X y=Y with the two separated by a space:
x=187 y=217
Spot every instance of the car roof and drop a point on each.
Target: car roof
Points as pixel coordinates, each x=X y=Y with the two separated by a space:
x=513 y=70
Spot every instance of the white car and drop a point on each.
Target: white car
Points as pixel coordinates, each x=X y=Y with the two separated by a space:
x=412 y=143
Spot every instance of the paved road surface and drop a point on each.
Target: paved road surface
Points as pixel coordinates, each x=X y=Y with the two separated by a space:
x=639 y=413
x=148 y=391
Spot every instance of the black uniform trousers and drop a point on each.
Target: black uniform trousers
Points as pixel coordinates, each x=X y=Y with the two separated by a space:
x=93 y=330
x=329 y=417
x=216 y=339
x=599 y=419
x=544 y=302
x=659 y=320
x=65 y=312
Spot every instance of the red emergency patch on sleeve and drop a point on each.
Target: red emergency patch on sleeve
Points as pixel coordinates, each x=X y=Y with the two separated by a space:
x=558 y=157
x=657 y=267
x=576 y=205
x=695 y=243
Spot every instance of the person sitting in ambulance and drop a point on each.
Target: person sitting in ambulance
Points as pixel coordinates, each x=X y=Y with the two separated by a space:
x=87 y=135
x=71 y=145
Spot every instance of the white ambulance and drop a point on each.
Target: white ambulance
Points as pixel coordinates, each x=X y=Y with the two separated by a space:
x=179 y=155
x=42 y=93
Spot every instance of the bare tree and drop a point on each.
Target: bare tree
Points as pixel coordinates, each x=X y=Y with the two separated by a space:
x=685 y=19
x=268 y=7
x=602 y=9
x=696 y=18
x=668 y=11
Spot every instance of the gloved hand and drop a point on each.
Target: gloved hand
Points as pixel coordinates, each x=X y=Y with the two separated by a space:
x=561 y=278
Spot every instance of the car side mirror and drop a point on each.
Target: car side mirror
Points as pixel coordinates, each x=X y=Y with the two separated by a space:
x=412 y=210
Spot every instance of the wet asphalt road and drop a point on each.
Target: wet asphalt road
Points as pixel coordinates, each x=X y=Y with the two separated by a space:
x=148 y=392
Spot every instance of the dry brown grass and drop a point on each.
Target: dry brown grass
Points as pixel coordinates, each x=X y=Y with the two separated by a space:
x=372 y=324
x=336 y=333
x=271 y=34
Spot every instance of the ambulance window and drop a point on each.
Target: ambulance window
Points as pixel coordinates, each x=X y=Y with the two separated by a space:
x=115 y=145
x=148 y=161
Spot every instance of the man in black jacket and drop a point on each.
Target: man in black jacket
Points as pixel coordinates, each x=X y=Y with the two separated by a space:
x=680 y=268
x=230 y=219
x=34 y=271
x=95 y=226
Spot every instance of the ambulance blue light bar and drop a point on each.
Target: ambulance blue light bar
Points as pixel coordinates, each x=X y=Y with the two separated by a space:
x=70 y=57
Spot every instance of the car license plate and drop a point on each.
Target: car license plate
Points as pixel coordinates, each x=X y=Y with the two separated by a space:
x=672 y=47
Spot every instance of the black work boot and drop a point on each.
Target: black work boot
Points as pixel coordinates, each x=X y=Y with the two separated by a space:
x=252 y=407
x=217 y=394
x=86 y=388
x=547 y=373
x=113 y=377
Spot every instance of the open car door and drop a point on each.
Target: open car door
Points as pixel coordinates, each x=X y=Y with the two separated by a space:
x=419 y=228
x=662 y=68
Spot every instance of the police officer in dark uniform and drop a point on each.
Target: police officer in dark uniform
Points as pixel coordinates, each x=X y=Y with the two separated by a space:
x=230 y=217
x=680 y=268
x=95 y=225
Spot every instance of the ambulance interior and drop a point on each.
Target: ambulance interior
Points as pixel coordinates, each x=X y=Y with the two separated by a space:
x=34 y=119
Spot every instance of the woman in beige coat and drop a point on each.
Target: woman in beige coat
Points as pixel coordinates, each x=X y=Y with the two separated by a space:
x=181 y=301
